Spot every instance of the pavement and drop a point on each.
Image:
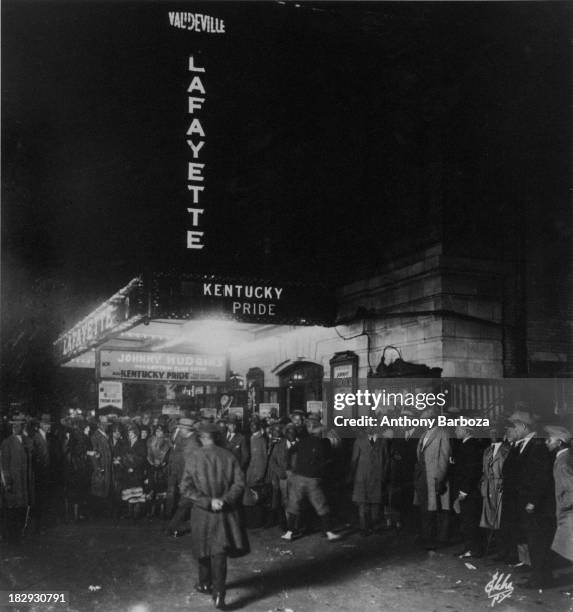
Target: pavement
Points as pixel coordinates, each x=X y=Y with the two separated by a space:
x=133 y=567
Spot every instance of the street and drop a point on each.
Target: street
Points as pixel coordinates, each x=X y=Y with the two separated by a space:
x=107 y=566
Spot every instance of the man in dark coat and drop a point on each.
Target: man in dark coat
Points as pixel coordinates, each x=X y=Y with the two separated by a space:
x=214 y=483
x=185 y=444
x=467 y=459
x=41 y=466
x=236 y=442
x=535 y=495
x=101 y=467
x=17 y=481
x=369 y=466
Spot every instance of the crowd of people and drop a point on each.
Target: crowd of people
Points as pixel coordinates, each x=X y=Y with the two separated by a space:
x=507 y=491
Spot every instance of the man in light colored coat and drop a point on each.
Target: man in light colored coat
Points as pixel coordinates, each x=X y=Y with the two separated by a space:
x=559 y=442
x=431 y=490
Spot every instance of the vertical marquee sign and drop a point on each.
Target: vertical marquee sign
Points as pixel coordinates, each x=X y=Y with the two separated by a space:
x=195 y=134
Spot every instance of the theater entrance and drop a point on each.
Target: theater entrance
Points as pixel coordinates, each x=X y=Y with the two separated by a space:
x=300 y=383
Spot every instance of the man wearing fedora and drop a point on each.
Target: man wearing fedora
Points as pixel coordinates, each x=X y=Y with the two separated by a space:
x=559 y=444
x=236 y=442
x=185 y=443
x=535 y=494
x=17 y=479
x=41 y=466
x=214 y=484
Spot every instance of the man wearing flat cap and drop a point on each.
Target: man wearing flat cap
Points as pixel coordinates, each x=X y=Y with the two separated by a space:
x=535 y=495
x=307 y=478
x=214 y=483
x=559 y=443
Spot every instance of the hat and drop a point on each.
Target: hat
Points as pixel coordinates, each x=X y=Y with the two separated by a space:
x=301 y=412
x=46 y=418
x=521 y=416
x=188 y=423
x=209 y=428
x=558 y=432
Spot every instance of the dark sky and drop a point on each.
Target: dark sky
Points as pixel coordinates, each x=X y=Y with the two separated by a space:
x=331 y=128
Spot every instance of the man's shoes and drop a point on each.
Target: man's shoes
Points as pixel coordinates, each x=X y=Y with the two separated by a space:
x=331 y=536
x=206 y=589
x=219 y=601
x=287 y=536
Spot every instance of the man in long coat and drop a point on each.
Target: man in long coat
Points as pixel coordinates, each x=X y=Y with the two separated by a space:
x=370 y=465
x=236 y=442
x=185 y=444
x=431 y=490
x=468 y=458
x=492 y=484
x=101 y=466
x=42 y=476
x=17 y=480
x=559 y=442
x=535 y=495
x=214 y=483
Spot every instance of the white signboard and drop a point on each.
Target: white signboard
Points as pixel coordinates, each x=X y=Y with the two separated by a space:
x=314 y=407
x=269 y=410
x=342 y=371
x=162 y=367
x=110 y=394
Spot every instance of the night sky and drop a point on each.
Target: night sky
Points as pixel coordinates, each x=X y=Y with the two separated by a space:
x=336 y=135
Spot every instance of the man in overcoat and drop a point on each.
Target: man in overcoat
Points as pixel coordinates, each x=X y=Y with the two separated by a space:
x=214 y=483
x=431 y=491
x=236 y=442
x=535 y=495
x=42 y=476
x=17 y=480
x=559 y=443
x=468 y=458
x=370 y=465
x=186 y=442
x=101 y=457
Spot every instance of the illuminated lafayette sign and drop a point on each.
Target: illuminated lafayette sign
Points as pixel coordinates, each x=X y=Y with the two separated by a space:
x=122 y=310
x=87 y=332
x=161 y=367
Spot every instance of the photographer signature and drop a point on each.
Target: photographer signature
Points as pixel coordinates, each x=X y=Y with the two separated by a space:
x=499 y=588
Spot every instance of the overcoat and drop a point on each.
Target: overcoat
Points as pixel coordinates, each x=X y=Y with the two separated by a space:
x=239 y=446
x=133 y=464
x=258 y=461
x=492 y=486
x=371 y=469
x=215 y=473
x=431 y=470
x=17 y=472
x=101 y=465
x=77 y=467
x=563 y=475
